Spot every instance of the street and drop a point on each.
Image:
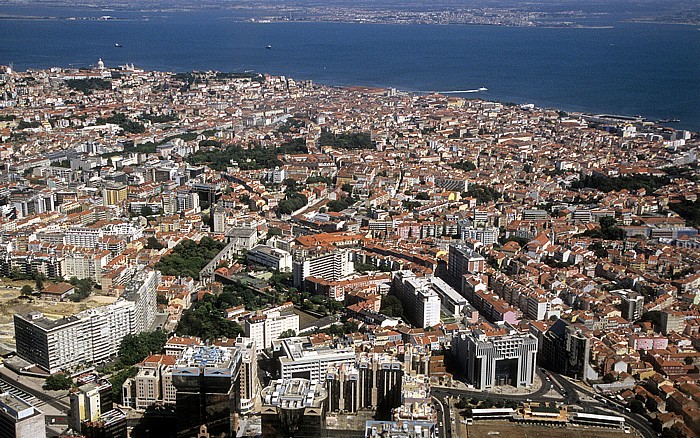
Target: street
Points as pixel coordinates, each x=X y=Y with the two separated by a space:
x=570 y=392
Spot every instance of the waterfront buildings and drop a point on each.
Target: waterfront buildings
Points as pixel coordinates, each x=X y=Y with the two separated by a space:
x=530 y=215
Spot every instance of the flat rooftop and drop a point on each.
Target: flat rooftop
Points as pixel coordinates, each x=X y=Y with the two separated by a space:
x=15 y=406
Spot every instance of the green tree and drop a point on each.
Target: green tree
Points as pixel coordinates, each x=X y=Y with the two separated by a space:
x=354 y=140
x=58 y=382
x=146 y=211
x=118 y=379
x=135 y=348
x=464 y=165
x=482 y=194
x=669 y=433
x=153 y=243
x=462 y=403
x=206 y=318
x=188 y=258
x=87 y=85
x=391 y=306
x=598 y=249
x=288 y=334
x=26 y=290
x=273 y=231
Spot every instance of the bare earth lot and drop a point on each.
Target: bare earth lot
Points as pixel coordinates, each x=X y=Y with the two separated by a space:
x=511 y=430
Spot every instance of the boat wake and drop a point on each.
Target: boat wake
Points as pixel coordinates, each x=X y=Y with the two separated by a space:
x=462 y=91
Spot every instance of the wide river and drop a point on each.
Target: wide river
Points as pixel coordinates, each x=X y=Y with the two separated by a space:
x=647 y=69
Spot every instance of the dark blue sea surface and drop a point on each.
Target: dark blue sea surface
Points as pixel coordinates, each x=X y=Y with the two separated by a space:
x=647 y=69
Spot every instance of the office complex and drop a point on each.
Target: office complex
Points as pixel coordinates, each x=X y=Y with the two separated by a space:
x=152 y=384
x=421 y=302
x=110 y=424
x=299 y=358
x=490 y=356
x=88 y=402
x=373 y=382
x=249 y=384
x=416 y=403
x=565 y=349
x=293 y=407
x=213 y=383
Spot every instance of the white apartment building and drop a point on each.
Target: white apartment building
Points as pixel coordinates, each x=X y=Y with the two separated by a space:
x=271 y=257
x=264 y=329
x=421 y=302
x=126 y=230
x=90 y=336
x=187 y=201
x=85 y=264
x=329 y=266
x=84 y=237
x=486 y=235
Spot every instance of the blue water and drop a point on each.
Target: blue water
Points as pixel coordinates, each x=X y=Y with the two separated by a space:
x=647 y=69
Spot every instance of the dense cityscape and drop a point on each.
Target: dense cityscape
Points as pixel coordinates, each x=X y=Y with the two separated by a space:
x=238 y=254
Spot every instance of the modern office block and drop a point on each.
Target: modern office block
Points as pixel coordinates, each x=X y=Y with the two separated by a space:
x=373 y=382
x=88 y=402
x=206 y=380
x=299 y=358
x=293 y=407
x=491 y=356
